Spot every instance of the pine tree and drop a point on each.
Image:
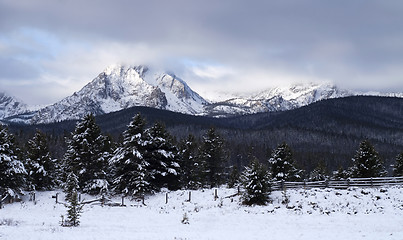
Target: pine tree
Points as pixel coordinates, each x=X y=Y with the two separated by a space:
x=398 y=167
x=87 y=156
x=319 y=173
x=74 y=208
x=366 y=162
x=282 y=164
x=161 y=155
x=40 y=166
x=190 y=168
x=12 y=170
x=131 y=175
x=255 y=180
x=212 y=158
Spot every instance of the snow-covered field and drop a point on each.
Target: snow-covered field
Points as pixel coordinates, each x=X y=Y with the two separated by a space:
x=310 y=214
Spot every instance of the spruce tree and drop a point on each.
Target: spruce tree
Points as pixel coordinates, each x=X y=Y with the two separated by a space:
x=87 y=156
x=40 y=166
x=12 y=170
x=366 y=162
x=131 y=175
x=161 y=154
x=212 y=158
x=255 y=180
x=74 y=207
x=71 y=185
x=282 y=164
x=190 y=170
x=398 y=167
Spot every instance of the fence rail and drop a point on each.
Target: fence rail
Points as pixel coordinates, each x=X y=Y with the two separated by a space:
x=340 y=184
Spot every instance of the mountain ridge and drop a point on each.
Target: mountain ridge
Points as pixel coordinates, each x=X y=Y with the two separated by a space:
x=123 y=86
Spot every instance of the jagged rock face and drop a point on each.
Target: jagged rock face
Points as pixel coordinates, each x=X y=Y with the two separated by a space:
x=9 y=106
x=180 y=97
x=121 y=87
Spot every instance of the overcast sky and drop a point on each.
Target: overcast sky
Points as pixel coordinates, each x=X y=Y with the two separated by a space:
x=51 y=48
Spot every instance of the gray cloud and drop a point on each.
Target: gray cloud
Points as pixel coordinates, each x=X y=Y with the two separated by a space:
x=355 y=44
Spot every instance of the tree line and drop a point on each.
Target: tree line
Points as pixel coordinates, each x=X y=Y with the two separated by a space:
x=149 y=159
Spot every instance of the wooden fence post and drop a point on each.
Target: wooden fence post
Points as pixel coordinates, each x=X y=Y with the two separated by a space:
x=123 y=200
x=190 y=196
x=372 y=183
x=166 y=198
x=282 y=185
x=215 y=194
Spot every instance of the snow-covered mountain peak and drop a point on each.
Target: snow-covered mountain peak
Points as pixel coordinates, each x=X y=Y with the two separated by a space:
x=178 y=87
x=10 y=106
x=314 y=91
x=279 y=99
x=121 y=86
x=181 y=98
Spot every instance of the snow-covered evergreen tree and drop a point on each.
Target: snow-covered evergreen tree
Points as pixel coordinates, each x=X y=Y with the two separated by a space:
x=161 y=154
x=233 y=178
x=12 y=170
x=340 y=174
x=74 y=208
x=366 y=162
x=319 y=173
x=255 y=179
x=40 y=166
x=398 y=167
x=87 y=156
x=71 y=185
x=282 y=164
x=131 y=175
x=190 y=167
x=212 y=157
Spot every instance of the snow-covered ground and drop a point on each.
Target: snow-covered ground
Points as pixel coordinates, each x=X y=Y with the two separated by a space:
x=310 y=214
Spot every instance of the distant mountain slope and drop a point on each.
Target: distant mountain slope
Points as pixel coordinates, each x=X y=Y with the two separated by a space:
x=339 y=115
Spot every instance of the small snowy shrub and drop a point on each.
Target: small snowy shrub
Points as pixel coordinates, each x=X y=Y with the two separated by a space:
x=8 y=222
x=185 y=219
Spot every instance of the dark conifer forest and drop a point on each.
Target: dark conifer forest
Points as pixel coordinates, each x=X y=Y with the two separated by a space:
x=326 y=133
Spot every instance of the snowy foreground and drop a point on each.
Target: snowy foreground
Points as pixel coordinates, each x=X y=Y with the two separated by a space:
x=310 y=214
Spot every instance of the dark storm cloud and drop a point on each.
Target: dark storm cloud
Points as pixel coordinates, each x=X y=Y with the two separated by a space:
x=356 y=44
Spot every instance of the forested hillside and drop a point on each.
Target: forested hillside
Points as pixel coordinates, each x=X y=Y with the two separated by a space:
x=328 y=131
